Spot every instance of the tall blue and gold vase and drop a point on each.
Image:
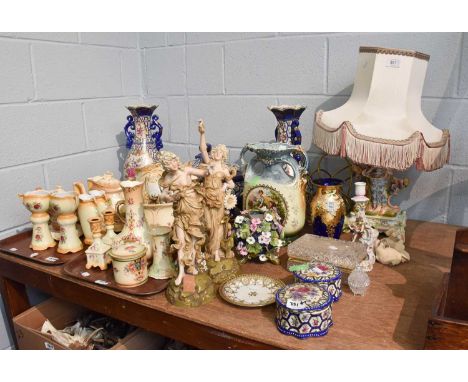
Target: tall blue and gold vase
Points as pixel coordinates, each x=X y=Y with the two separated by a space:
x=327 y=208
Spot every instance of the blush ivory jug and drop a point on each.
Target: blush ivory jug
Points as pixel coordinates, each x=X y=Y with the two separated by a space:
x=273 y=178
x=87 y=208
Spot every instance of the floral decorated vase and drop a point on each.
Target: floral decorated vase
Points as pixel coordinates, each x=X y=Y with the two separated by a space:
x=275 y=180
x=327 y=208
x=258 y=235
x=143 y=133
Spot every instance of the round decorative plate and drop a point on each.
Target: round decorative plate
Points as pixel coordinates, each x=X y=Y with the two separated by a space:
x=250 y=290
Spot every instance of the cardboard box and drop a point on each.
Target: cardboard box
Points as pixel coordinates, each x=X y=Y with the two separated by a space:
x=61 y=314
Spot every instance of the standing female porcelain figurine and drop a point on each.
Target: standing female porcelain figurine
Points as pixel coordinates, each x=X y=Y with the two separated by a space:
x=216 y=183
x=178 y=187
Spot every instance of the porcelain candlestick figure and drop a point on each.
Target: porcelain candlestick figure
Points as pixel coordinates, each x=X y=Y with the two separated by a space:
x=97 y=253
x=188 y=233
x=217 y=184
x=109 y=217
x=37 y=202
x=66 y=203
x=361 y=227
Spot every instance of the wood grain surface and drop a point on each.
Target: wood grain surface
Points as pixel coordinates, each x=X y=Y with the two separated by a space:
x=392 y=315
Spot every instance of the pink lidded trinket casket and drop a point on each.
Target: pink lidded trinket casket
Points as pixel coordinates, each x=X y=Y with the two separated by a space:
x=323 y=274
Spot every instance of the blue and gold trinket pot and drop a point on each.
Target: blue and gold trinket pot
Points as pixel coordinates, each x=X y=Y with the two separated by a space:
x=323 y=274
x=303 y=310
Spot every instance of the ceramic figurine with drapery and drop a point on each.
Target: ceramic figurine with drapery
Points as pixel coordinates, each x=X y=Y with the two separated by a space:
x=382 y=129
x=218 y=201
x=143 y=131
x=191 y=287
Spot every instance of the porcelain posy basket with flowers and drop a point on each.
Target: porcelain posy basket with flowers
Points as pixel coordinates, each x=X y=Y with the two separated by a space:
x=258 y=235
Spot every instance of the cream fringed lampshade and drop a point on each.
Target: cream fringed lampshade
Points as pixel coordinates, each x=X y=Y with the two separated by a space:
x=382 y=124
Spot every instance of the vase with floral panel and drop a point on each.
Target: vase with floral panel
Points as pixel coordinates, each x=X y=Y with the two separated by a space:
x=143 y=131
x=275 y=180
x=135 y=228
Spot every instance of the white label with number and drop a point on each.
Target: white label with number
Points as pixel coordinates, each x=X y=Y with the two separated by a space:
x=393 y=63
x=295 y=304
x=52 y=259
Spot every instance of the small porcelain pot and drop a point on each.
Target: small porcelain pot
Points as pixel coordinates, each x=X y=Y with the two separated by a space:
x=159 y=215
x=129 y=264
x=324 y=275
x=303 y=310
x=64 y=202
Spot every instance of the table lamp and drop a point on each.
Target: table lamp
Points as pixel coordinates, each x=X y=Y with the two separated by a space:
x=381 y=127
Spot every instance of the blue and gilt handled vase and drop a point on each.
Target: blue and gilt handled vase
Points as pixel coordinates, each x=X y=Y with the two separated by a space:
x=143 y=132
x=287 y=129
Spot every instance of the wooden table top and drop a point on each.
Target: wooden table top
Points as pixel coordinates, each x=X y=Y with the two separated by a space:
x=392 y=315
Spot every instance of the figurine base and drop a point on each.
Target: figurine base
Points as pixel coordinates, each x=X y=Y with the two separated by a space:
x=384 y=223
x=203 y=292
x=223 y=270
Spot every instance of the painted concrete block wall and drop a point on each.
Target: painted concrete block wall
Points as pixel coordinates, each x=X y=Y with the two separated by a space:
x=62 y=98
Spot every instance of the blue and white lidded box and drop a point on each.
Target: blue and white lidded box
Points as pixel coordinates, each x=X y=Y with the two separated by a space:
x=323 y=274
x=303 y=310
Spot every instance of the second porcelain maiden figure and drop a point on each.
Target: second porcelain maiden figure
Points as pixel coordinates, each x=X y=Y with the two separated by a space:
x=217 y=186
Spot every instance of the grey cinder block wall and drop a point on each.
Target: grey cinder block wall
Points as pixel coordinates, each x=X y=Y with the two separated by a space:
x=62 y=98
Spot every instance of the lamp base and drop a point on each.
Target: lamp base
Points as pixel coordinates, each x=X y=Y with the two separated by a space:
x=384 y=223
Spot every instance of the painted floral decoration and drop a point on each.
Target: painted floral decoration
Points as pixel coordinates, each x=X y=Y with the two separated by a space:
x=258 y=235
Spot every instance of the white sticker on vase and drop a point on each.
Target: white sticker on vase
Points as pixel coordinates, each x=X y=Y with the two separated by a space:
x=52 y=259
x=85 y=274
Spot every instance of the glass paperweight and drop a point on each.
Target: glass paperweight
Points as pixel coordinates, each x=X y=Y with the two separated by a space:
x=358 y=281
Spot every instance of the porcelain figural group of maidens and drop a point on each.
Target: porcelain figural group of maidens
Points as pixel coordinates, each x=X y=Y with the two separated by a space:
x=200 y=213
